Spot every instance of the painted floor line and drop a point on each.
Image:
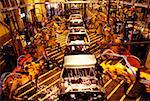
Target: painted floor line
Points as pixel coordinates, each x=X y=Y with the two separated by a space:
x=129 y=89
x=115 y=89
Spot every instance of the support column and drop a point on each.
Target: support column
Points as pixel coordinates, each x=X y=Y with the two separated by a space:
x=85 y=16
x=65 y=9
x=108 y=15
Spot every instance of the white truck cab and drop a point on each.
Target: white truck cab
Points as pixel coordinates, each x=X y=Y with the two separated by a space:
x=75 y=16
x=77 y=36
x=75 y=20
x=78 y=77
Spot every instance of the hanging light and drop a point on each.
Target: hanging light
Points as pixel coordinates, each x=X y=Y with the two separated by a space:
x=55 y=5
x=48 y=6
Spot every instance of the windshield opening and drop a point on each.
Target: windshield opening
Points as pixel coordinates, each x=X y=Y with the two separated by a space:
x=77 y=49
x=76 y=24
x=75 y=37
x=78 y=73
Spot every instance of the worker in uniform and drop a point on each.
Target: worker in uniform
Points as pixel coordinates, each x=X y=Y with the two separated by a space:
x=115 y=41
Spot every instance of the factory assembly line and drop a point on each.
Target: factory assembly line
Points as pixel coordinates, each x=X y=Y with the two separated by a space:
x=94 y=52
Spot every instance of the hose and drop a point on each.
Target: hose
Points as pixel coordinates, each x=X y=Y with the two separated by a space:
x=118 y=55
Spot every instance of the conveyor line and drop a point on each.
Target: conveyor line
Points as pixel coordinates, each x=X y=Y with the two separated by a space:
x=112 y=87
